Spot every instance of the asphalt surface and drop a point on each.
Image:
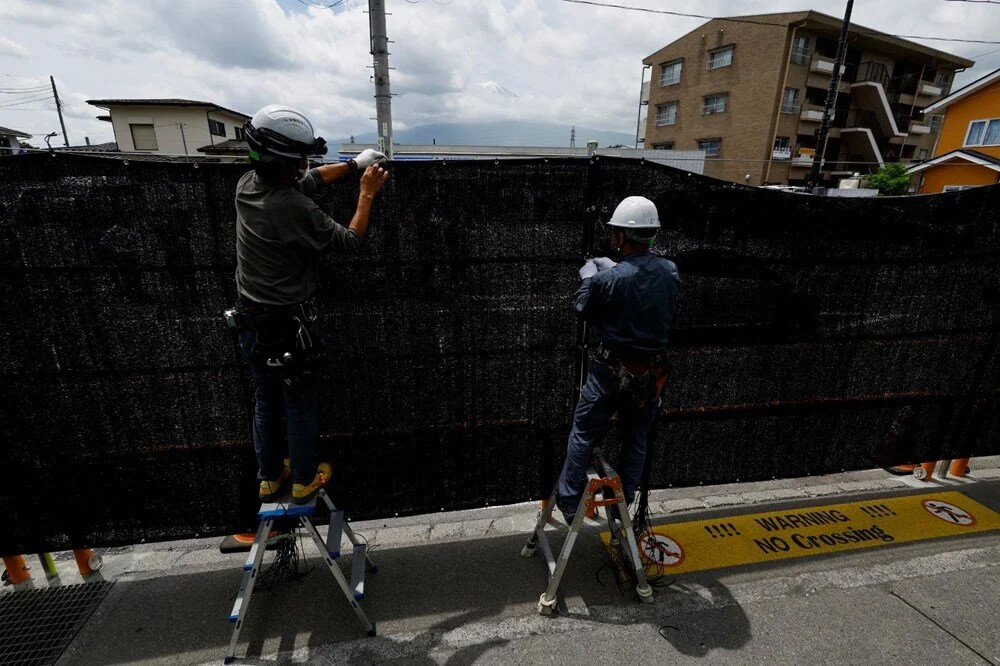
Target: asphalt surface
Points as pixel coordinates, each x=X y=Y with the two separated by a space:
x=473 y=600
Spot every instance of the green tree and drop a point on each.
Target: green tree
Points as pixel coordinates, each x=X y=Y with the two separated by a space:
x=890 y=179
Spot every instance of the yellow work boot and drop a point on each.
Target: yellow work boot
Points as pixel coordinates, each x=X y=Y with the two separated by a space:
x=303 y=494
x=271 y=490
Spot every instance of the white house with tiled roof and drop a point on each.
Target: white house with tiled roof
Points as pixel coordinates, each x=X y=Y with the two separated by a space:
x=169 y=126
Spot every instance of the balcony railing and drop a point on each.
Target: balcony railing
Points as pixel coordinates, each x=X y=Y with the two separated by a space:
x=781 y=153
x=800 y=56
x=863 y=118
x=875 y=72
x=790 y=107
x=811 y=113
x=823 y=65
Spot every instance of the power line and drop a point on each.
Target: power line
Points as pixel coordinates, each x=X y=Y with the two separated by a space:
x=22 y=91
x=611 y=5
x=985 y=2
x=27 y=98
x=26 y=101
x=319 y=5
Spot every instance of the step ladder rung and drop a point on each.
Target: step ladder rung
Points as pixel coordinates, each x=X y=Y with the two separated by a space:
x=358 y=566
x=334 y=533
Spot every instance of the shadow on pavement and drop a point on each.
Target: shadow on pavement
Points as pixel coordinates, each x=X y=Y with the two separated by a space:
x=419 y=595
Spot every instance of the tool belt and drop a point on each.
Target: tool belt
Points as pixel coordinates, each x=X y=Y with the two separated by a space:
x=286 y=337
x=641 y=375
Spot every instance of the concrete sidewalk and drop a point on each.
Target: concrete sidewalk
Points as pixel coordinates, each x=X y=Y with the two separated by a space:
x=452 y=589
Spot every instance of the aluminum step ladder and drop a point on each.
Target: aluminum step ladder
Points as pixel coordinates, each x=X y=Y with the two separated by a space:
x=301 y=515
x=601 y=479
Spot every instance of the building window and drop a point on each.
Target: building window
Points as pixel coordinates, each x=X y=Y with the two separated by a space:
x=720 y=57
x=936 y=122
x=669 y=145
x=790 y=100
x=714 y=103
x=782 y=148
x=922 y=154
x=239 y=133
x=143 y=137
x=666 y=114
x=957 y=188
x=712 y=147
x=983 y=133
x=216 y=128
x=671 y=73
x=943 y=80
x=800 y=50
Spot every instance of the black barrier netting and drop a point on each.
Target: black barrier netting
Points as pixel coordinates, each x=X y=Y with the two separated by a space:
x=813 y=335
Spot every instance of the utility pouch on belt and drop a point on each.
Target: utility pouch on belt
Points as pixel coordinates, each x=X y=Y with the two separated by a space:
x=639 y=379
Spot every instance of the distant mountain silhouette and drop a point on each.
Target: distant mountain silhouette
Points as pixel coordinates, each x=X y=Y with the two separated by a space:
x=501 y=133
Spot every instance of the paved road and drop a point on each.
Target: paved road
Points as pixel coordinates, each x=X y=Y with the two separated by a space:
x=473 y=601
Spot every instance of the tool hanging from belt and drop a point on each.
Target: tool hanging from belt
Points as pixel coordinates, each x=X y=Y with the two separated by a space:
x=285 y=336
x=641 y=375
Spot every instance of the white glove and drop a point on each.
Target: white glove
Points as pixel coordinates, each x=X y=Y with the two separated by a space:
x=603 y=263
x=369 y=157
x=588 y=270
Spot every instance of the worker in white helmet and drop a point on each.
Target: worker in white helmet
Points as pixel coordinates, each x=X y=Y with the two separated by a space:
x=629 y=307
x=281 y=233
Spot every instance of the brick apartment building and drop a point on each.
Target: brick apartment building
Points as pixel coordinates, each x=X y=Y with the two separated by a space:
x=749 y=91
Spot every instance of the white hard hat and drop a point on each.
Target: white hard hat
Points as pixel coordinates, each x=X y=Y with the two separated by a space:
x=635 y=213
x=282 y=130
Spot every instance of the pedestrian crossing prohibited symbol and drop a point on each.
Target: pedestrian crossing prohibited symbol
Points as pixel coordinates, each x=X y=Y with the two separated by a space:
x=949 y=513
x=659 y=549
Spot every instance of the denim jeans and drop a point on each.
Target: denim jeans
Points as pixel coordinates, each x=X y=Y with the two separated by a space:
x=284 y=422
x=599 y=400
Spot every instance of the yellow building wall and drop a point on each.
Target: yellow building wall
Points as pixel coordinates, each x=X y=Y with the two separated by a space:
x=982 y=104
x=957 y=172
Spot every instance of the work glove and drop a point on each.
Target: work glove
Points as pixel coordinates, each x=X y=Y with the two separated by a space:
x=603 y=263
x=588 y=270
x=369 y=157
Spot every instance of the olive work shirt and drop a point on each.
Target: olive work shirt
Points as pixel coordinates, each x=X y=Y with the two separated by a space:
x=280 y=235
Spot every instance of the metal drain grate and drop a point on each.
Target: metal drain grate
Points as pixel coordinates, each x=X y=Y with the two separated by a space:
x=37 y=625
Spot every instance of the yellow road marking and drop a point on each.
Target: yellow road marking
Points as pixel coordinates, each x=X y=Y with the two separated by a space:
x=814 y=530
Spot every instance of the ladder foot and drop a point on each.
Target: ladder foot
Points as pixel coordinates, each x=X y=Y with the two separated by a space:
x=228 y=660
x=372 y=632
x=645 y=593
x=546 y=606
x=373 y=569
x=528 y=550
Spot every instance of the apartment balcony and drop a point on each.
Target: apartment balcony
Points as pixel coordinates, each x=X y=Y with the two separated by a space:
x=823 y=65
x=781 y=154
x=803 y=157
x=811 y=113
x=929 y=89
x=919 y=128
x=644 y=95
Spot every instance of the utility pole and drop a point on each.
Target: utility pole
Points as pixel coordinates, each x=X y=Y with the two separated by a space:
x=572 y=136
x=55 y=94
x=380 y=56
x=831 y=95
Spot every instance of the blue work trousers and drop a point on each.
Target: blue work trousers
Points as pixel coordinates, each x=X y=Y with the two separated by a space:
x=599 y=400
x=284 y=421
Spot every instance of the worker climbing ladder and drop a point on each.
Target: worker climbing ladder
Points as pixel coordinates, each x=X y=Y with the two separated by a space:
x=301 y=516
x=605 y=483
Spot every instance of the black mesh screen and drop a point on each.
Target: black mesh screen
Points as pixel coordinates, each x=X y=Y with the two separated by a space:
x=813 y=335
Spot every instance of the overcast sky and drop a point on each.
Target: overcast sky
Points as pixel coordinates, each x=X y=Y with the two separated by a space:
x=565 y=63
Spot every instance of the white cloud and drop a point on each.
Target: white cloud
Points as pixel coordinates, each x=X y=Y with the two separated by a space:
x=9 y=47
x=567 y=63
